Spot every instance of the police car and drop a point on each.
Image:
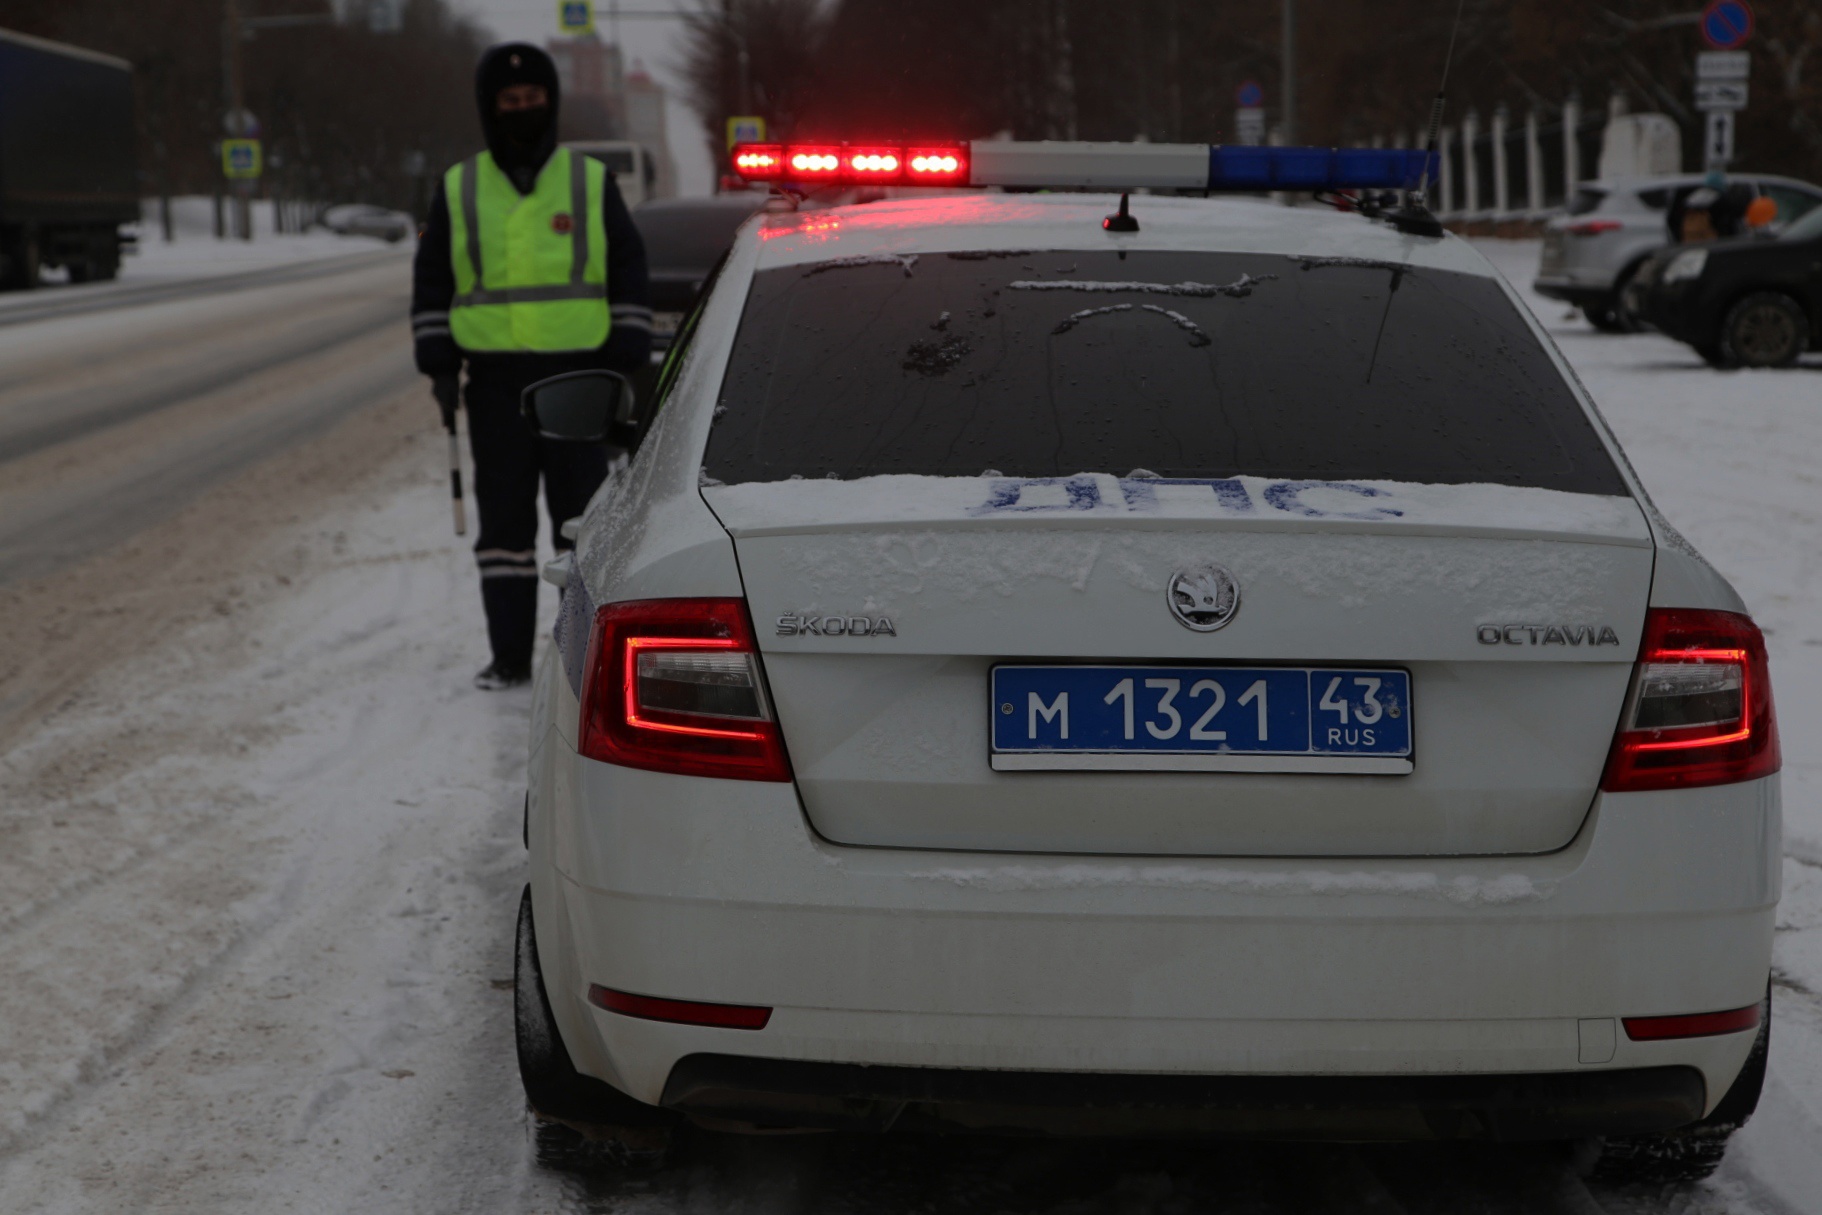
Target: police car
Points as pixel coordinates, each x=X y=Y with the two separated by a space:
x=1077 y=663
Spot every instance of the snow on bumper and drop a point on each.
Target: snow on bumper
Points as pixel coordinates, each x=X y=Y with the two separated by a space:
x=718 y=891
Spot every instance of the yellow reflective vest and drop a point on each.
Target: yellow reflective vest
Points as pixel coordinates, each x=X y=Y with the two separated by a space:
x=530 y=269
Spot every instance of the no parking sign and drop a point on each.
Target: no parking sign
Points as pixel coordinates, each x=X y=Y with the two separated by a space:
x=1726 y=24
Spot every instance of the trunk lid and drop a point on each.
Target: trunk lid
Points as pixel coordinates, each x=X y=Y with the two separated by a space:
x=1517 y=612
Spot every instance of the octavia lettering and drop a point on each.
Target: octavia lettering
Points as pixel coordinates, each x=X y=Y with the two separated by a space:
x=795 y=625
x=1547 y=634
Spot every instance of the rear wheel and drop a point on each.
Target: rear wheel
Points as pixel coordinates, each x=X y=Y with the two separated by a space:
x=629 y=1131
x=1713 y=355
x=1766 y=329
x=1692 y=1152
x=1611 y=313
x=1606 y=315
x=19 y=263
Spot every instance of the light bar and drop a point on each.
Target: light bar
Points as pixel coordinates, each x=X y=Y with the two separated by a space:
x=1106 y=166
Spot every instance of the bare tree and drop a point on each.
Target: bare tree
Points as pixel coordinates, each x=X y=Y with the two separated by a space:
x=751 y=57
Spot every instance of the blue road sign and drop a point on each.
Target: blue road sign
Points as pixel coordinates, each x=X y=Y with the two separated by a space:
x=1249 y=96
x=1726 y=24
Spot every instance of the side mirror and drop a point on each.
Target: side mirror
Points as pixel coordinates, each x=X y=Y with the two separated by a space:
x=581 y=406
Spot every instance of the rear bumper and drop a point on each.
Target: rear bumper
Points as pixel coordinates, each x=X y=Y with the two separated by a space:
x=1574 y=289
x=759 y=1093
x=1492 y=967
x=1678 y=310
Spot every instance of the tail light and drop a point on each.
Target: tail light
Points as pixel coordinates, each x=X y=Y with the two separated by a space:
x=1700 y=710
x=679 y=1012
x=1692 y=1025
x=1594 y=227
x=673 y=685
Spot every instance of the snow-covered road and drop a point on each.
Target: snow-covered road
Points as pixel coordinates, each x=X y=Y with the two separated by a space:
x=259 y=862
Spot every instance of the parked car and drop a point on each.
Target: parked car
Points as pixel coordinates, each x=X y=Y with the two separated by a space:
x=1754 y=301
x=364 y=219
x=634 y=170
x=1610 y=227
x=684 y=238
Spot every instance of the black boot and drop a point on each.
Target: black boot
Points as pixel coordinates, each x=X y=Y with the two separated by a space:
x=496 y=675
x=512 y=619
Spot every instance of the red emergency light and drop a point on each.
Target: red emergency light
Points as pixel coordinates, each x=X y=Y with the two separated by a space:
x=753 y=160
x=853 y=163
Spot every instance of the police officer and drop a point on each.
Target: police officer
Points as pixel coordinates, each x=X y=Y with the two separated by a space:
x=528 y=266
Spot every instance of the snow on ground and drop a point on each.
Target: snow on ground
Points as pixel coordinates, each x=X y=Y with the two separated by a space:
x=196 y=254
x=257 y=887
x=1734 y=459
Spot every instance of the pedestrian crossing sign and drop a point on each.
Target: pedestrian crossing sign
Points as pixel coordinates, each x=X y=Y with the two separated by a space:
x=240 y=159
x=576 y=17
x=745 y=128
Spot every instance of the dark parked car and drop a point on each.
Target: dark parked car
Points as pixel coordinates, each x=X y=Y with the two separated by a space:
x=684 y=238
x=1755 y=301
x=1610 y=228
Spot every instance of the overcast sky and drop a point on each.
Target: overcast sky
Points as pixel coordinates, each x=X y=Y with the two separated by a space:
x=653 y=42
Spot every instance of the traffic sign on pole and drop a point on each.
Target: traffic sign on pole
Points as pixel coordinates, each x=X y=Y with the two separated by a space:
x=1720 y=94
x=1727 y=24
x=1718 y=143
x=1249 y=113
x=240 y=159
x=745 y=128
x=575 y=17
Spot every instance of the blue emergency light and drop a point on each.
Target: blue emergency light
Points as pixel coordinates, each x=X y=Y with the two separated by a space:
x=1109 y=166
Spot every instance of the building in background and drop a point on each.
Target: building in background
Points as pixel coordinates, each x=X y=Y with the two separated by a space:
x=603 y=101
x=592 y=78
x=644 y=101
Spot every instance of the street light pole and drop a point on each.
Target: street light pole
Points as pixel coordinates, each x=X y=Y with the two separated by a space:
x=1288 y=68
x=235 y=101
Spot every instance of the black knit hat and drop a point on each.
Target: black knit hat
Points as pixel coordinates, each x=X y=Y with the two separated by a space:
x=512 y=63
x=502 y=66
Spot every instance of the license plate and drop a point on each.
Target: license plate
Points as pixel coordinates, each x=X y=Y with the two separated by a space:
x=1201 y=719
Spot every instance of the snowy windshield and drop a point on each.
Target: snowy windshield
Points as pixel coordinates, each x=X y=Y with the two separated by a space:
x=1180 y=364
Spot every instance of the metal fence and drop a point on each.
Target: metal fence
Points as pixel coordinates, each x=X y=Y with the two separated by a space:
x=1506 y=169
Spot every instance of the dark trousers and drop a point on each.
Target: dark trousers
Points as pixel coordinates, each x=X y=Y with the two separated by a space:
x=509 y=458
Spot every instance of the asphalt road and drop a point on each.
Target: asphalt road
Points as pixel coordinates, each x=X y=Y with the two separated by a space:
x=118 y=407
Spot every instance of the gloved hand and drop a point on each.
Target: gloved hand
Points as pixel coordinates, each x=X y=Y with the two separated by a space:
x=447 y=390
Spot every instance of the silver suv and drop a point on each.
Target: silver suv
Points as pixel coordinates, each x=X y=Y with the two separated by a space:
x=1610 y=227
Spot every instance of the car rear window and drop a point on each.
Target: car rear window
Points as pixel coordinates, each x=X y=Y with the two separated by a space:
x=1656 y=198
x=1182 y=364
x=1585 y=200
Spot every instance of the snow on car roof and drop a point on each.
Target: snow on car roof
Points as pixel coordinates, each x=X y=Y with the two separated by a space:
x=1045 y=222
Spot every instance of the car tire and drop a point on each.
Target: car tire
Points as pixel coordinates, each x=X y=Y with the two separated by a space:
x=1692 y=1152
x=1713 y=355
x=1606 y=315
x=1765 y=329
x=631 y=1132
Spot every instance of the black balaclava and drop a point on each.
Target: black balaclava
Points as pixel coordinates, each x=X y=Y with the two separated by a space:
x=521 y=141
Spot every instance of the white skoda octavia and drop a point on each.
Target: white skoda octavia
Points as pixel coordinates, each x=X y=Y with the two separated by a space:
x=1219 y=678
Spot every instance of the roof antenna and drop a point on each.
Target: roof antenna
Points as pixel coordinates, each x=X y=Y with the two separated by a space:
x=1123 y=221
x=1415 y=216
